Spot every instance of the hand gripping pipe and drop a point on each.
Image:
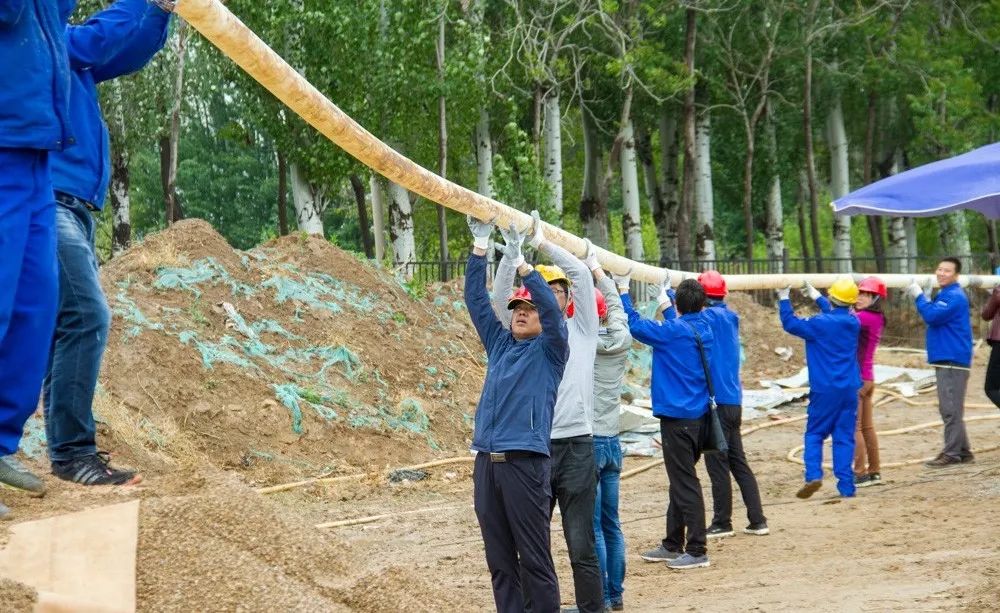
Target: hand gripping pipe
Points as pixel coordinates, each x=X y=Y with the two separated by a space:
x=224 y=30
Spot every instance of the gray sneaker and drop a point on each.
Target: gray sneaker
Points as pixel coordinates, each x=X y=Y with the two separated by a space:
x=4 y=511
x=686 y=561
x=660 y=554
x=15 y=476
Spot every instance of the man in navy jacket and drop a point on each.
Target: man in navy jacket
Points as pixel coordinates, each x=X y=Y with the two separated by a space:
x=680 y=401
x=116 y=41
x=511 y=479
x=949 y=350
x=34 y=120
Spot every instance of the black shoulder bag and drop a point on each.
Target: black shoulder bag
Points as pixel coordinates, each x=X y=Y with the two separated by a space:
x=715 y=440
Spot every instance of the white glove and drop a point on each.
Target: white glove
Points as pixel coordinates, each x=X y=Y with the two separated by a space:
x=538 y=234
x=812 y=292
x=663 y=298
x=591 y=258
x=481 y=232
x=512 y=240
x=926 y=286
x=622 y=281
x=784 y=293
x=914 y=289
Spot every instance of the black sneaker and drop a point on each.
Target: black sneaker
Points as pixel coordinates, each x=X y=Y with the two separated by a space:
x=758 y=529
x=869 y=480
x=94 y=469
x=16 y=476
x=942 y=461
x=715 y=531
x=617 y=605
x=968 y=459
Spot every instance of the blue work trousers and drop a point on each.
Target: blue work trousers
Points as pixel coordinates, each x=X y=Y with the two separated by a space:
x=832 y=413
x=29 y=286
x=80 y=337
x=608 y=537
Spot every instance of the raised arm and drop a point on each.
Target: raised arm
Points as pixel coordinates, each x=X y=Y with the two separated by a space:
x=791 y=323
x=92 y=44
x=476 y=297
x=940 y=310
x=141 y=46
x=618 y=338
x=579 y=275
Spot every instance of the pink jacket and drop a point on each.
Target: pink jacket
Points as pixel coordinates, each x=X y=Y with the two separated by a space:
x=872 y=324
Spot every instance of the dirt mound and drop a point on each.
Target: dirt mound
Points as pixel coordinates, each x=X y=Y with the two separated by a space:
x=226 y=548
x=760 y=334
x=17 y=597
x=293 y=358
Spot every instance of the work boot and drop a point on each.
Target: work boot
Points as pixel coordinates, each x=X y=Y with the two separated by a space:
x=660 y=554
x=687 y=561
x=809 y=488
x=94 y=469
x=15 y=476
x=715 y=531
x=942 y=461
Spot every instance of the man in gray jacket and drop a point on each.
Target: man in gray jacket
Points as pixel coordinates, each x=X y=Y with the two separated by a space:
x=613 y=343
x=574 y=476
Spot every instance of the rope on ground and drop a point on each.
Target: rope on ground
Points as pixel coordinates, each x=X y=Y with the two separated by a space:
x=792 y=455
x=326 y=480
x=927 y=403
x=374 y=518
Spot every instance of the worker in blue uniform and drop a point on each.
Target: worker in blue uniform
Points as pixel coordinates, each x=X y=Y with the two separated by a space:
x=34 y=121
x=113 y=42
x=834 y=380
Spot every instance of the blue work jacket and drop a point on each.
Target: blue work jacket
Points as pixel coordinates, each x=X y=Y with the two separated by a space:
x=949 y=328
x=114 y=42
x=522 y=377
x=831 y=346
x=34 y=75
x=678 y=386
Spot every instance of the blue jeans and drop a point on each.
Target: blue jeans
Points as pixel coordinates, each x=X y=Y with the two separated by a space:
x=607 y=527
x=80 y=338
x=28 y=286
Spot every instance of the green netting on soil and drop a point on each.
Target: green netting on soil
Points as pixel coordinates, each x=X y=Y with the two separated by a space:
x=205 y=270
x=320 y=291
x=127 y=309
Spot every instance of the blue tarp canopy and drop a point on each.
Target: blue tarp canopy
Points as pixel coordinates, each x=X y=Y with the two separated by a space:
x=968 y=181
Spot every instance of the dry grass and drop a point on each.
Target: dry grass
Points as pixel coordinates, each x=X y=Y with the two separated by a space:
x=155 y=440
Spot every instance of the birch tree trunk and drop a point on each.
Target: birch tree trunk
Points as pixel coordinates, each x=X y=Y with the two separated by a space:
x=801 y=204
x=378 y=217
x=953 y=231
x=309 y=202
x=807 y=129
x=910 y=230
x=172 y=201
x=121 y=221
x=897 y=246
x=593 y=202
x=704 y=211
x=840 y=185
x=484 y=155
x=666 y=224
x=631 y=218
x=775 y=230
x=553 y=150
x=404 y=248
x=644 y=153
x=442 y=216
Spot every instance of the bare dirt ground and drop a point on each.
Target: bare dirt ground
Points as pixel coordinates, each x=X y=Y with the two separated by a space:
x=206 y=435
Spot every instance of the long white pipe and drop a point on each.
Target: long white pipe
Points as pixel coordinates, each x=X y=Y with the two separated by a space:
x=224 y=30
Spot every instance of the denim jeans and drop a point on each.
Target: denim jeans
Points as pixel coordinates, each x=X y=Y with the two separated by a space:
x=607 y=527
x=28 y=286
x=81 y=335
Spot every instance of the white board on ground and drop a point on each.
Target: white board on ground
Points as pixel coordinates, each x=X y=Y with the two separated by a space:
x=82 y=562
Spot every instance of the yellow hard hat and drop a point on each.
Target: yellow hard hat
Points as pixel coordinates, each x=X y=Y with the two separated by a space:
x=552 y=274
x=844 y=290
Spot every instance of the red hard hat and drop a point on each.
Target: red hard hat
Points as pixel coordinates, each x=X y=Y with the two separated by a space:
x=714 y=284
x=873 y=285
x=521 y=294
x=602 y=306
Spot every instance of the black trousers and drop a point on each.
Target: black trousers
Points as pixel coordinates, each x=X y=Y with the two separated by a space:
x=682 y=442
x=721 y=465
x=513 y=506
x=993 y=374
x=574 y=485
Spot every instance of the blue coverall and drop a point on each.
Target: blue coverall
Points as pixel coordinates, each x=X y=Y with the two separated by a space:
x=834 y=380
